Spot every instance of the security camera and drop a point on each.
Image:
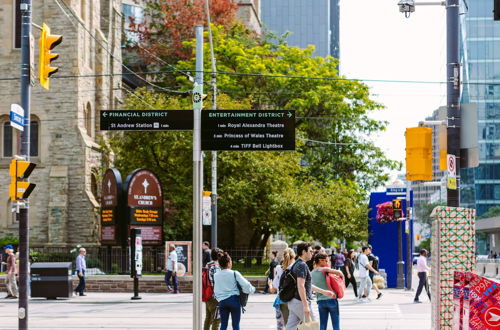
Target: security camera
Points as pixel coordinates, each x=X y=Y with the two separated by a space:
x=406 y=6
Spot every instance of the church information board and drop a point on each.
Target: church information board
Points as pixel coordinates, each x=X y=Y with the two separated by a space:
x=248 y=130
x=110 y=207
x=146 y=120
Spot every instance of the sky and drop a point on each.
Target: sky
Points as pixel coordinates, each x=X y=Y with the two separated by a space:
x=377 y=42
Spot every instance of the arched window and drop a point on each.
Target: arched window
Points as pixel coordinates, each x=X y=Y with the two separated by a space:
x=93 y=185
x=11 y=138
x=87 y=112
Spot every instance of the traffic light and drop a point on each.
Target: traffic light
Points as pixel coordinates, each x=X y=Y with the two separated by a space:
x=47 y=43
x=418 y=153
x=397 y=209
x=20 y=170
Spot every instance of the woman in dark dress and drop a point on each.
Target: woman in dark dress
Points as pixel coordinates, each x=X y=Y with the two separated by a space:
x=349 y=269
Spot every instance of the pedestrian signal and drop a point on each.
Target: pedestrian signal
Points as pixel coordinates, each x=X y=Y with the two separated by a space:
x=397 y=208
x=19 y=171
x=47 y=43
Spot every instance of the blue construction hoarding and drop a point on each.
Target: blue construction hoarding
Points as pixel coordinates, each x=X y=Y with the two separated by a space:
x=384 y=237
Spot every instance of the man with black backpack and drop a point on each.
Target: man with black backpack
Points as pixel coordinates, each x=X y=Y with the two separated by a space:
x=212 y=267
x=300 y=305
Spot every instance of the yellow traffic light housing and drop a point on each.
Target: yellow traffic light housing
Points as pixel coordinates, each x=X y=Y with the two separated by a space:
x=20 y=170
x=418 y=153
x=47 y=43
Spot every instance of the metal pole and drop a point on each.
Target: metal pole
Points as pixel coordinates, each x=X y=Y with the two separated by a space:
x=409 y=215
x=213 y=236
x=400 y=284
x=25 y=151
x=453 y=93
x=197 y=188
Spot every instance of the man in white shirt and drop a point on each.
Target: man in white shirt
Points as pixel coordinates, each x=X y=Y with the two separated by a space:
x=364 y=274
x=171 y=268
x=422 y=275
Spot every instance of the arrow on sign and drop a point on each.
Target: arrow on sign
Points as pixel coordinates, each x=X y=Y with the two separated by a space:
x=289 y=114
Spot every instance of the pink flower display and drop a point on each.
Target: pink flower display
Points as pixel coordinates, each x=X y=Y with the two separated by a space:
x=385 y=213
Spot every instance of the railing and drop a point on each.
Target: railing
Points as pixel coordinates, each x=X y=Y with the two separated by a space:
x=116 y=260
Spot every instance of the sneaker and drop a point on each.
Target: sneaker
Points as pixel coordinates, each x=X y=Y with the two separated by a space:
x=416 y=301
x=82 y=294
x=379 y=295
x=12 y=297
x=8 y=296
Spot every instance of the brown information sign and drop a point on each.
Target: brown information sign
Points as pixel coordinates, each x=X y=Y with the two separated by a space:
x=110 y=207
x=145 y=204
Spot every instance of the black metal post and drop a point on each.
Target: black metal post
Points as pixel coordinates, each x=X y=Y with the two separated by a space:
x=25 y=151
x=453 y=93
x=400 y=284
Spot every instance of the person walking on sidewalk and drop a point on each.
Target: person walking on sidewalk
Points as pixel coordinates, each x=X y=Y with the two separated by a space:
x=273 y=262
x=364 y=276
x=422 y=270
x=227 y=293
x=349 y=268
x=280 y=306
x=171 y=270
x=374 y=262
x=211 y=317
x=206 y=253
x=300 y=306
x=81 y=268
x=326 y=305
x=11 y=284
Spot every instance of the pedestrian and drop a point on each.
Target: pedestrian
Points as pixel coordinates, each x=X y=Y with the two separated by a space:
x=300 y=306
x=310 y=262
x=171 y=270
x=349 y=268
x=422 y=270
x=227 y=293
x=10 y=264
x=326 y=305
x=339 y=260
x=211 y=317
x=206 y=253
x=81 y=268
x=374 y=262
x=273 y=261
x=280 y=306
x=364 y=269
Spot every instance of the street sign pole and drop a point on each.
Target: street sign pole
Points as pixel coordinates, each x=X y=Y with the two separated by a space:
x=197 y=187
x=25 y=7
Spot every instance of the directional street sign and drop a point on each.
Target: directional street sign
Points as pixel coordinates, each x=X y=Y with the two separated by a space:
x=17 y=117
x=146 y=120
x=247 y=130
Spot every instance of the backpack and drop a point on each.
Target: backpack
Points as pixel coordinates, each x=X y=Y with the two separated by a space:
x=243 y=297
x=207 y=290
x=288 y=285
x=335 y=283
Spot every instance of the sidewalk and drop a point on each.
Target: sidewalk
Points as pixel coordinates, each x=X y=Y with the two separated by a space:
x=395 y=310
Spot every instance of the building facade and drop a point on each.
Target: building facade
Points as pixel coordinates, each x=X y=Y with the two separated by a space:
x=480 y=187
x=65 y=119
x=308 y=24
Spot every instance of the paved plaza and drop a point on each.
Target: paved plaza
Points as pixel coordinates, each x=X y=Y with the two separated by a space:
x=395 y=310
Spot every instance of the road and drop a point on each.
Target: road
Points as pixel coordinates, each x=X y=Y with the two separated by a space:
x=395 y=310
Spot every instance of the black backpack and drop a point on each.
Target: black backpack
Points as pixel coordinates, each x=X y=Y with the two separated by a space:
x=288 y=285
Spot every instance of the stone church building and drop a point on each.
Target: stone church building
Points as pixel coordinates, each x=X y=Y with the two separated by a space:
x=65 y=119
x=64 y=207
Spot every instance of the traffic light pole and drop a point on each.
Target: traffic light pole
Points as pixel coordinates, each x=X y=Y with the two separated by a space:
x=25 y=151
x=453 y=93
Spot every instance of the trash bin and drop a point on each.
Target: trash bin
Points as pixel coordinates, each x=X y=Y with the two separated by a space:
x=51 y=280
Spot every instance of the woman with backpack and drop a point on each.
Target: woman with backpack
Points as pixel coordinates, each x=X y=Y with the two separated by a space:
x=227 y=293
x=281 y=307
x=349 y=267
x=326 y=305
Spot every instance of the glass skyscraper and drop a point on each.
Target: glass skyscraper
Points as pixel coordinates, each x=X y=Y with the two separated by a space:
x=309 y=23
x=480 y=36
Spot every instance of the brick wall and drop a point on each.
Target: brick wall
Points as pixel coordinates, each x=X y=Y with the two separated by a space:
x=149 y=283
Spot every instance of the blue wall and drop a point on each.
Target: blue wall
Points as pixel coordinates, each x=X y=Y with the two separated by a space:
x=384 y=238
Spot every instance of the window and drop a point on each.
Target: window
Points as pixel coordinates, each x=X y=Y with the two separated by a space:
x=17 y=24
x=11 y=139
x=137 y=14
x=87 y=113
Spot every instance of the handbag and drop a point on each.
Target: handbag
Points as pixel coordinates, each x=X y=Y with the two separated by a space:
x=243 y=297
x=335 y=283
x=308 y=324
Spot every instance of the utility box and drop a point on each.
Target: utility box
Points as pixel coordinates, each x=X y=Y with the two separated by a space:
x=51 y=280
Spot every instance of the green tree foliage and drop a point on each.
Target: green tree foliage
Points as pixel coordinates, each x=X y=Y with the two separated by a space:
x=493 y=211
x=423 y=213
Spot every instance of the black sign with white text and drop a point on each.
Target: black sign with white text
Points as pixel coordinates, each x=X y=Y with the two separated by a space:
x=146 y=120
x=248 y=130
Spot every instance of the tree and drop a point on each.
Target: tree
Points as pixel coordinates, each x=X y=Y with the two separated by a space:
x=423 y=213
x=168 y=23
x=493 y=211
